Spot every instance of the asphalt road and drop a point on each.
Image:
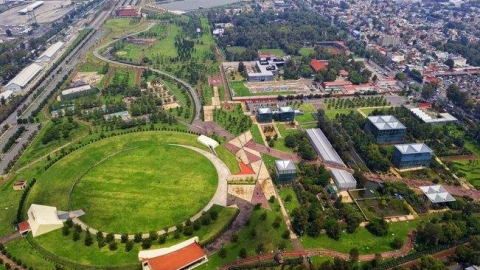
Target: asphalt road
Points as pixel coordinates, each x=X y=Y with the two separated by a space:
x=15 y=149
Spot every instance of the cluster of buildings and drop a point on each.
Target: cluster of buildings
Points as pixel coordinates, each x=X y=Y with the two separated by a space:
x=283 y=114
x=20 y=82
x=127 y=12
x=265 y=69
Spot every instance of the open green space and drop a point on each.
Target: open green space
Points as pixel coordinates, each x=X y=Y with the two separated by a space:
x=236 y=49
x=256 y=135
x=289 y=198
x=240 y=90
x=276 y=52
x=140 y=189
x=331 y=114
x=229 y=159
x=120 y=24
x=307 y=109
x=306 y=51
x=471 y=169
x=362 y=239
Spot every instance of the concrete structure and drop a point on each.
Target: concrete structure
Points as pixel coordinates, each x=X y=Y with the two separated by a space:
x=323 y=147
x=435 y=195
x=433 y=119
x=49 y=54
x=185 y=255
x=343 y=179
x=264 y=115
x=385 y=129
x=23 y=78
x=265 y=70
x=43 y=219
x=285 y=171
x=389 y=40
x=207 y=141
x=33 y=6
x=6 y=95
x=459 y=61
x=411 y=155
x=79 y=91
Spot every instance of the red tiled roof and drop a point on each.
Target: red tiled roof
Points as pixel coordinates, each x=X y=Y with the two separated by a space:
x=337 y=83
x=343 y=72
x=177 y=259
x=19 y=183
x=318 y=64
x=23 y=227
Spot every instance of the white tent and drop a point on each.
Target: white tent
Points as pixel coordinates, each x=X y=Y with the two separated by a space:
x=43 y=219
x=207 y=141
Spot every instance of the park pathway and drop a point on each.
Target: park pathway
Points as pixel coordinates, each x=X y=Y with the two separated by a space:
x=272 y=152
x=10 y=237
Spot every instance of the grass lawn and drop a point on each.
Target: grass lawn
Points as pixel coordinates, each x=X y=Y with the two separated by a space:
x=318 y=260
x=471 y=170
x=306 y=51
x=265 y=234
x=269 y=160
x=20 y=248
x=65 y=247
x=233 y=121
x=368 y=111
x=307 y=116
x=332 y=113
x=229 y=159
x=292 y=204
x=366 y=242
x=166 y=46
x=276 y=52
x=236 y=49
x=257 y=136
x=133 y=191
x=240 y=90
x=119 y=24
x=37 y=149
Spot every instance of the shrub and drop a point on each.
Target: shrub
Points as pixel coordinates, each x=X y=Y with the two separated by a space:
x=76 y=235
x=65 y=230
x=162 y=239
x=222 y=253
x=153 y=235
x=124 y=238
x=188 y=230
x=234 y=238
x=137 y=238
x=286 y=234
x=213 y=215
x=396 y=243
x=88 y=239
x=128 y=245
x=242 y=253
x=113 y=246
x=146 y=243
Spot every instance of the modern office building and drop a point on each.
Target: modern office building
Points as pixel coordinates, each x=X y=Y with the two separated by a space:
x=411 y=155
x=264 y=115
x=285 y=171
x=343 y=179
x=385 y=129
x=436 y=195
x=286 y=114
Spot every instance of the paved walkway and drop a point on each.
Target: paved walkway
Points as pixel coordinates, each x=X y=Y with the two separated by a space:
x=12 y=264
x=219 y=198
x=272 y=152
x=11 y=237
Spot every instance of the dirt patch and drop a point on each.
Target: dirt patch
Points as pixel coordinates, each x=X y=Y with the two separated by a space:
x=92 y=78
x=171 y=106
x=121 y=53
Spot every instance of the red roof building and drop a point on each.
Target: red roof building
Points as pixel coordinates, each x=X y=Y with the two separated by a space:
x=23 y=227
x=127 y=12
x=20 y=185
x=318 y=65
x=183 y=258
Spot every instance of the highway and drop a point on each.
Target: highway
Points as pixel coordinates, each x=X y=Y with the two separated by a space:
x=50 y=84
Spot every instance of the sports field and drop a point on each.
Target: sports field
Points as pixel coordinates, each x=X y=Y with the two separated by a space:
x=131 y=183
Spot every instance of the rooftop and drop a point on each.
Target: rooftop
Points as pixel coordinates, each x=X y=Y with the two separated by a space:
x=76 y=89
x=343 y=177
x=413 y=148
x=323 y=147
x=26 y=75
x=437 y=194
x=386 y=122
x=186 y=254
x=52 y=50
x=285 y=165
x=264 y=110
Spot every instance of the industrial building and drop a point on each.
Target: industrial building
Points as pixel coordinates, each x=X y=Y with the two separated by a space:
x=5 y=95
x=23 y=78
x=49 y=54
x=433 y=119
x=33 y=6
x=436 y=195
x=265 y=70
x=385 y=129
x=127 y=12
x=76 y=92
x=323 y=147
x=411 y=155
x=285 y=171
x=343 y=179
x=264 y=115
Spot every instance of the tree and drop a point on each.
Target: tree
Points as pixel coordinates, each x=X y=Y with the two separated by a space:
x=128 y=245
x=222 y=252
x=137 y=238
x=450 y=63
x=457 y=96
x=378 y=226
x=400 y=76
x=354 y=254
x=8 y=32
x=428 y=91
x=242 y=253
x=396 y=243
x=124 y=238
x=333 y=229
x=88 y=239
x=146 y=243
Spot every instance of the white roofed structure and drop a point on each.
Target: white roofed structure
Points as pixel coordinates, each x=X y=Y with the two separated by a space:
x=43 y=219
x=343 y=179
x=437 y=194
x=441 y=118
x=48 y=55
x=413 y=148
x=23 y=78
x=33 y=6
x=207 y=141
x=6 y=94
x=386 y=122
x=323 y=147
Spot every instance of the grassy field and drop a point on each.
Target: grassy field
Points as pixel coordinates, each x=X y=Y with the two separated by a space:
x=284 y=192
x=65 y=247
x=236 y=49
x=368 y=244
x=332 y=113
x=240 y=90
x=471 y=170
x=130 y=192
x=280 y=142
x=276 y=52
x=307 y=116
x=166 y=46
x=257 y=136
x=306 y=51
x=229 y=159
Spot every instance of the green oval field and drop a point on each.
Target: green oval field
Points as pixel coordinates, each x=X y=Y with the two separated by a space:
x=131 y=183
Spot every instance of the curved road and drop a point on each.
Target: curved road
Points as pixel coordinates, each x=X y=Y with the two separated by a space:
x=196 y=100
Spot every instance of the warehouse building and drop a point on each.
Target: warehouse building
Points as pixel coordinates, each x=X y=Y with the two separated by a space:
x=432 y=118
x=5 y=95
x=285 y=171
x=49 y=54
x=30 y=7
x=385 y=129
x=264 y=115
x=323 y=147
x=343 y=179
x=411 y=155
x=23 y=78
x=76 y=92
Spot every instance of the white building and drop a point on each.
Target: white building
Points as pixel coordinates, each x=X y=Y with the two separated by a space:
x=343 y=179
x=23 y=78
x=6 y=95
x=437 y=194
x=30 y=7
x=49 y=54
x=207 y=141
x=43 y=219
x=459 y=61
